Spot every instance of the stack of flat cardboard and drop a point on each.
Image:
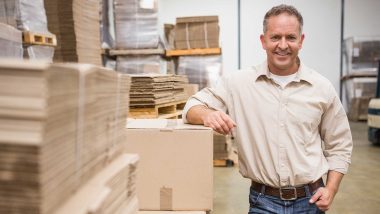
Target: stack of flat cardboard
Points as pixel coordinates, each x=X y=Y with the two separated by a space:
x=197 y=32
x=60 y=125
x=76 y=25
x=10 y=42
x=172 y=212
x=136 y=24
x=222 y=146
x=111 y=191
x=155 y=89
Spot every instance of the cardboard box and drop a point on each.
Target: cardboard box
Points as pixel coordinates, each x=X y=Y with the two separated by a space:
x=197 y=32
x=176 y=166
x=172 y=212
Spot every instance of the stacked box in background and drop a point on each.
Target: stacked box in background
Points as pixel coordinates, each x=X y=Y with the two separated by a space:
x=61 y=124
x=197 y=32
x=136 y=24
x=361 y=57
x=222 y=146
x=28 y=15
x=202 y=70
x=10 y=42
x=77 y=27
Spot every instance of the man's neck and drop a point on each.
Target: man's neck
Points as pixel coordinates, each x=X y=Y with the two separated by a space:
x=285 y=72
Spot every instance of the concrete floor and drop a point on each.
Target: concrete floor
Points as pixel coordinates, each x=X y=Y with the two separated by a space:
x=359 y=191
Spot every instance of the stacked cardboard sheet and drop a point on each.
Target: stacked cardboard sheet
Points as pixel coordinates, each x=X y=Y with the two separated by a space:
x=172 y=212
x=155 y=89
x=10 y=42
x=60 y=125
x=202 y=70
x=76 y=25
x=111 y=191
x=197 y=32
x=222 y=146
x=136 y=24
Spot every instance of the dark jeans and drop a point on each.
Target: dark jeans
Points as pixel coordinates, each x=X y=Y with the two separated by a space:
x=260 y=203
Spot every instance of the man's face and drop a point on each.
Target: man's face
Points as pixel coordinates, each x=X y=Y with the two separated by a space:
x=282 y=41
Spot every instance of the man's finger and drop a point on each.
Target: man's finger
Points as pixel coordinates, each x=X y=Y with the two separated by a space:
x=231 y=124
x=316 y=196
x=222 y=124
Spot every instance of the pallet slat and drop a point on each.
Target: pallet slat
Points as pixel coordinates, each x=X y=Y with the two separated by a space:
x=198 y=51
x=114 y=52
x=164 y=111
x=31 y=38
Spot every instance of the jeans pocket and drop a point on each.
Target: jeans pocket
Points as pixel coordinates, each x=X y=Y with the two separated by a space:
x=254 y=197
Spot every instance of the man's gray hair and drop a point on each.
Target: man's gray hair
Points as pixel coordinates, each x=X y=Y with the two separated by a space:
x=282 y=8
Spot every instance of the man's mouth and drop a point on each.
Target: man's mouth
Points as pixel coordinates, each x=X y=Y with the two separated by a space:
x=282 y=53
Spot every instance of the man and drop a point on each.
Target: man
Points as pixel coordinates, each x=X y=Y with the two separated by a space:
x=288 y=122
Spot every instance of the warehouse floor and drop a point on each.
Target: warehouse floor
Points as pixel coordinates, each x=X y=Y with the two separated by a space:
x=359 y=191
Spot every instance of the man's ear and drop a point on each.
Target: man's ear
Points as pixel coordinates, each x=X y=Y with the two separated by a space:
x=262 y=39
x=302 y=38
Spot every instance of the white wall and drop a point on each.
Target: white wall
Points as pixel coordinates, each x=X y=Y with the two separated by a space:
x=321 y=48
x=362 y=18
x=225 y=9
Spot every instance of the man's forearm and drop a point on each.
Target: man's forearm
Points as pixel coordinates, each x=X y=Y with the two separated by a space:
x=196 y=114
x=333 y=181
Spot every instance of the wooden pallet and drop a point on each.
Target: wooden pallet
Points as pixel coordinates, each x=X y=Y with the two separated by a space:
x=116 y=52
x=30 y=38
x=198 y=51
x=223 y=163
x=163 y=111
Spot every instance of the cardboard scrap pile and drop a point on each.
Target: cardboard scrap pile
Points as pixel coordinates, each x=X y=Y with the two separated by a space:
x=60 y=125
x=155 y=89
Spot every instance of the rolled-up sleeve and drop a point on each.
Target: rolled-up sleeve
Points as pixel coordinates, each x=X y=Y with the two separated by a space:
x=214 y=98
x=336 y=134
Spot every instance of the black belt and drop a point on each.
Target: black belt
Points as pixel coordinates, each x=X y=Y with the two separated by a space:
x=287 y=193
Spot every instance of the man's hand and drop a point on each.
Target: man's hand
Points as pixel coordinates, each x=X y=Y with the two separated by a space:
x=323 y=198
x=219 y=122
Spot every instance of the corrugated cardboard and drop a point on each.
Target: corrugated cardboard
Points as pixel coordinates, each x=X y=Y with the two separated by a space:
x=176 y=166
x=197 y=32
x=172 y=212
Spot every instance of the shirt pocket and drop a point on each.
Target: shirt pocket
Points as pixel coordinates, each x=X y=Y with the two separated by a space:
x=303 y=122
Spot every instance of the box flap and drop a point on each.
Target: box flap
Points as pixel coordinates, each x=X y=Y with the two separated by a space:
x=162 y=124
x=197 y=19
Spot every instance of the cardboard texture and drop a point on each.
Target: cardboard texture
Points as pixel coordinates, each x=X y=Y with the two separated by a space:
x=171 y=212
x=155 y=89
x=191 y=89
x=77 y=27
x=176 y=167
x=222 y=146
x=197 y=32
x=60 y=125
x=112 y=190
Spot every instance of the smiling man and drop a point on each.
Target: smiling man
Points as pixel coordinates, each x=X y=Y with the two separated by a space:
x=288 y=122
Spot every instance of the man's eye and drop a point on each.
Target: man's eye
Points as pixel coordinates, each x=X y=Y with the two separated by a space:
x=291 y=38
x=275 y=38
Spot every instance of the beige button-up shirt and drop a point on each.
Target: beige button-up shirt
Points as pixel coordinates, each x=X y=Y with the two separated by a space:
x=285 y=136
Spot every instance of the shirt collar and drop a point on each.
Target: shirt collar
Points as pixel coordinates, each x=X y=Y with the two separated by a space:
x=303 y=73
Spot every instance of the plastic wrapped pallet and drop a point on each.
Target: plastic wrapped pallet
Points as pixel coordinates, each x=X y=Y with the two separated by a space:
x=142 y=64
x=107 y=34
x=136 y=24
x=26 y=15
x=10 y=42
x=39 y=52
x=202 y=70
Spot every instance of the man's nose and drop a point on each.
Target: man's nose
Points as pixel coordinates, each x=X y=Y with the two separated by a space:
x=283 y=44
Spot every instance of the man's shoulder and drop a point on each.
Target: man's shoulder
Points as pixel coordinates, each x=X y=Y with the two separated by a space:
x=315 y=77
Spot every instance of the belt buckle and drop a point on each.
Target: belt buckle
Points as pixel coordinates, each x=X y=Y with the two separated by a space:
x=283 y=194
